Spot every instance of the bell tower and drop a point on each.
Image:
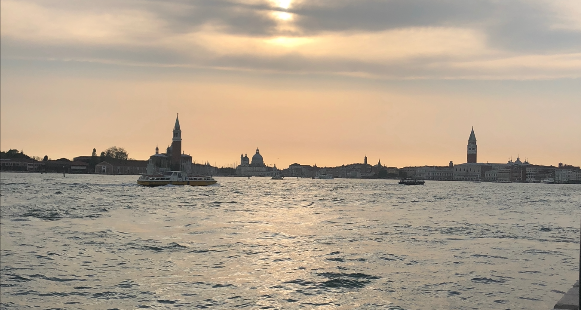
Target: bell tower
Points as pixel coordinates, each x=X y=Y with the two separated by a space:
x=471 y=151
x=176 y=146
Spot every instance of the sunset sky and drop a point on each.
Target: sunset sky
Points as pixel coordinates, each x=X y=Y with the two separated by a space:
x=321 y=82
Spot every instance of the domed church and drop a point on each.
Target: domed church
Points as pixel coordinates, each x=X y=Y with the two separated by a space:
x=256 y=167
x=257 y=160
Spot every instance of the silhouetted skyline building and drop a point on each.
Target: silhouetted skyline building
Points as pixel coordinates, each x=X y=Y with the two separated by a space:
x=174 y=158
x=256 y=167
x=471 y=149
x=176 y=146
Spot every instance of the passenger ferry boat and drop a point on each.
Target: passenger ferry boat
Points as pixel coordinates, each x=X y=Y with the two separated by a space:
x=175 y=178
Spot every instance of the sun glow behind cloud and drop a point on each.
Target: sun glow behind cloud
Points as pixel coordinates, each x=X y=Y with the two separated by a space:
x=427 y=51
x=285 y=16
x=281 y=14
x=283 y=4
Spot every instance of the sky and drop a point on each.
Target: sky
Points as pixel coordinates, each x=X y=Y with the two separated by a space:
x=322 y=82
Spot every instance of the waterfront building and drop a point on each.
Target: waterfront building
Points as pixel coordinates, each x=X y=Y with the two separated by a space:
x=512 y=171
x=130 y=166
x=173 y=159
x=567 y=174
x=491 y=176
x=298 y=170
x=21 y=164
x=409 y=172
x=437 y=173
x=471 y=171
x=31 y=165
x=356 y=170
x=471 y=148
x=256 y=167
x=392 y=171
x=537 y=173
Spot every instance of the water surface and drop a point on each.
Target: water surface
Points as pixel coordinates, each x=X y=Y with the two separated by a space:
x=98 y=242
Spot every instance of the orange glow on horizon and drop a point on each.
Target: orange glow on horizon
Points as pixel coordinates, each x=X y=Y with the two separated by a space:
x=324 y=124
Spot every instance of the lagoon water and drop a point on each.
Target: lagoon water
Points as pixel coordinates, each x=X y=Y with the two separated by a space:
x=103 y=242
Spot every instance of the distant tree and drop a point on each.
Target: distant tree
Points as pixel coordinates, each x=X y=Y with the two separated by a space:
x=13 y=154
x=45 y=158
x=63 y=159
x=116 y=153
x=37 y=158
x=94 y=154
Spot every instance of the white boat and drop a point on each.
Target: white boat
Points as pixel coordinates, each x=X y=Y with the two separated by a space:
x=548 y=181
x=175 y=178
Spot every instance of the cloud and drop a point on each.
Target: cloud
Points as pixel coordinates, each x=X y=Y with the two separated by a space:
x=481 y=39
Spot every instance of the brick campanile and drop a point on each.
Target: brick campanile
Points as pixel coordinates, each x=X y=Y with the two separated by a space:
x=472 y=149
x=176 y=147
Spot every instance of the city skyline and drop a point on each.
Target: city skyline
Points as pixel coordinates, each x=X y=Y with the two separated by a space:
x=470 y=159
x=324 y=82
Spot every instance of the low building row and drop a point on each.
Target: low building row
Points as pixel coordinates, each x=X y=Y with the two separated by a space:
x=31 y=165
x=494 y=172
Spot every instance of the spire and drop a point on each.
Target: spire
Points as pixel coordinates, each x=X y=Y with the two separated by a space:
x=177 y=132
x=177 y=125
x=472 y=136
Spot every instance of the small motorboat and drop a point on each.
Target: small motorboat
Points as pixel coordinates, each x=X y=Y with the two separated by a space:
x=175 y=178
x=409 y=181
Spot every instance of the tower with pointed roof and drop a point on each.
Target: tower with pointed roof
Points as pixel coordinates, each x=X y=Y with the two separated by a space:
x=472 y=149
x=176 y=146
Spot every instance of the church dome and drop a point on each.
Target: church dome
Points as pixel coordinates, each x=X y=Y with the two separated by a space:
x=257 y=159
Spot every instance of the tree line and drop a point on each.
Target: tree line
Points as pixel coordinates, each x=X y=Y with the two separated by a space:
x=114 y=152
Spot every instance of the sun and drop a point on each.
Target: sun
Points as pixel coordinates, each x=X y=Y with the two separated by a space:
x=283 y=4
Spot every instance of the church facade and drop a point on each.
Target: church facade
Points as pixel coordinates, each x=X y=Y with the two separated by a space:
x=174 y=159
x=254 y=168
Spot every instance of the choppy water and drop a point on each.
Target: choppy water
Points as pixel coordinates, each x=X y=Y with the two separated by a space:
x=97 y=242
